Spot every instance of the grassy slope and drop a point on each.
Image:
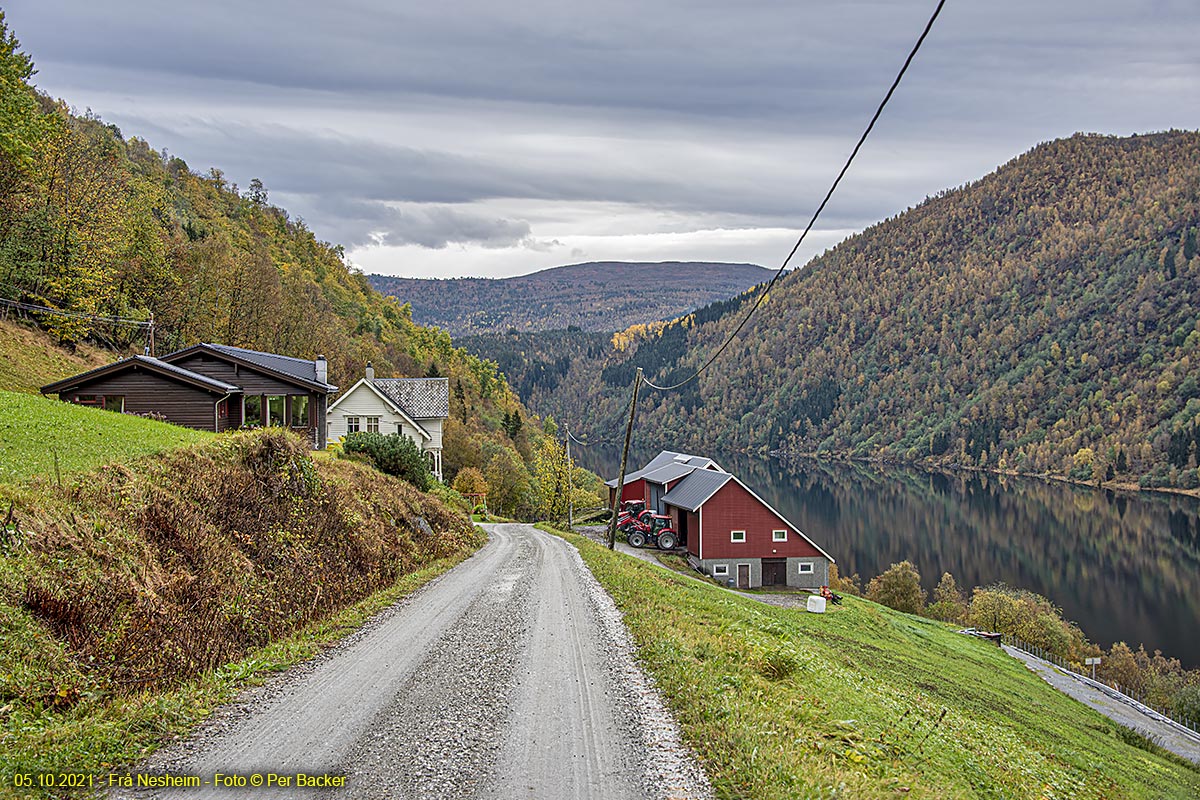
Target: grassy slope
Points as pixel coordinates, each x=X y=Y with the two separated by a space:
x=29 y=359
x=866 y=702
x=131 y=536
x=33 y=429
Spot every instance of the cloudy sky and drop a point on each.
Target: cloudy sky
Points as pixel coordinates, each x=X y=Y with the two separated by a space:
x=483 y=138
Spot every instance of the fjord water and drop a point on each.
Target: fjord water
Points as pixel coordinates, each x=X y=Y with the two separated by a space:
x=1124 y=565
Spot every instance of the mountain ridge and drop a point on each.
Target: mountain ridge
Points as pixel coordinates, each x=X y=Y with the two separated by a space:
x=602 y=296
x=1044 y=319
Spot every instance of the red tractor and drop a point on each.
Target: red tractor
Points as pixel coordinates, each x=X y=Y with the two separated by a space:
x=652 y=529
x=631 y=512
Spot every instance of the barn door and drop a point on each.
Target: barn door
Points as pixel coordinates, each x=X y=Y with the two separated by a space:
x=743 y=578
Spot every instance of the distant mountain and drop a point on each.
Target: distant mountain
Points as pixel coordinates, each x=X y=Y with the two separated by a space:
x=597 y=296
x=1043 y=319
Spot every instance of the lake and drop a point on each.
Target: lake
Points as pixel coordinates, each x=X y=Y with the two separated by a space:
x=1123 y=565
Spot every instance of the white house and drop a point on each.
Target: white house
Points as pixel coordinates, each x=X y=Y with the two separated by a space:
x=415 y=407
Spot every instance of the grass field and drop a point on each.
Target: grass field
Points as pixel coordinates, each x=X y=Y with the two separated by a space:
x=34 y=430
x=866 y=702
x=29 y=359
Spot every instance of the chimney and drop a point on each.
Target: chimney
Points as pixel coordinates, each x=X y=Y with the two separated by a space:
x=370 y=372
x=322 y=370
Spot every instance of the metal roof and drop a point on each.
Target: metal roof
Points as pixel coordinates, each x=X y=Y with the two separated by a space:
x=666 y=457
x=421 y=398
x=154 y=365
x=669 y=472
x=297 y=368
x=694 y=490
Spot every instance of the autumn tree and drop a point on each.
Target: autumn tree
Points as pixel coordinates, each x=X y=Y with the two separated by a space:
x=899 y=587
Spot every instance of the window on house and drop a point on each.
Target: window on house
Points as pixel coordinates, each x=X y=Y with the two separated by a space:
x=806 y=567
x=114 y=402
x=778 y=536
x=352 y=425
x=86 y=399
x=300 y=411
x=372 y=424
x=720 y=570
x=276 y=409
x=737 y=536
x=253 y=414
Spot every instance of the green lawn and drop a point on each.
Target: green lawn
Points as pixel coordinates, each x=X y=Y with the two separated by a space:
x=34 y=429
x=866 y=702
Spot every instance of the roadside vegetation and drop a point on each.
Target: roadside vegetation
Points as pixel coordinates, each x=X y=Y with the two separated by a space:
x=866 y=702
x=135 y=597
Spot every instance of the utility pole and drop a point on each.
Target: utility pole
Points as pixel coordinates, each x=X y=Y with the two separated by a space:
x=570 y=482
x=152 y=353
x=612 y=523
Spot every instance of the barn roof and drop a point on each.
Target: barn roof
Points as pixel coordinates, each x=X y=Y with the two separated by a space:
x=146 y=362
x=421 y=398
x=695 y=490
x=663 y=459
x=669 y=472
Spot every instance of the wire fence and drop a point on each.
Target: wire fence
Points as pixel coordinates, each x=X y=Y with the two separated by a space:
x=1136 y=699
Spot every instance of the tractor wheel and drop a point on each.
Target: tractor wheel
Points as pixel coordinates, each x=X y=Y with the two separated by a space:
x=637 y=539
x=666 y=541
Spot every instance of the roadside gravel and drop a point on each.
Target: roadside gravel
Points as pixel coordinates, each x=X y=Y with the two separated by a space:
x=512 y=676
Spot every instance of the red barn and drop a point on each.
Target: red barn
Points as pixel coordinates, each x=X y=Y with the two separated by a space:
x=735 y=536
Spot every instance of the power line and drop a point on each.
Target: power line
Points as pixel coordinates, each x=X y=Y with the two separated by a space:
x=74 y=314
x=879 y=111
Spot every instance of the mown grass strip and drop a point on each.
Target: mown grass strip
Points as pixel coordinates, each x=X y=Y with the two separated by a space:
x=865 y=702
x=40 y=437
x=102 y=734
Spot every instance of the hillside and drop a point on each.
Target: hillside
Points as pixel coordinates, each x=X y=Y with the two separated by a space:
x=780 y=703
x=600 y=296
x=99 y=226
x=1044 y=319
x=136 y=597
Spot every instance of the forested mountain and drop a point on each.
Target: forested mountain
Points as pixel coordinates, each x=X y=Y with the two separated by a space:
x=101 y=226
x=1044 y=319
x=600 y=296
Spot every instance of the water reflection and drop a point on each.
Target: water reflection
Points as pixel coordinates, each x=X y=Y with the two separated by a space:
x=1125 y=566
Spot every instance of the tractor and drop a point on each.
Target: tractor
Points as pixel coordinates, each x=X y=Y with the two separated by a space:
x=652 y=529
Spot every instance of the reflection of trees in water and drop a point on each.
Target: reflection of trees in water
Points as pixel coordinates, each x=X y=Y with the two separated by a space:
x=1124 y=566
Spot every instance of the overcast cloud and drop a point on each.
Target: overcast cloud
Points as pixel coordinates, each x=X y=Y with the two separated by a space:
x=495 y=139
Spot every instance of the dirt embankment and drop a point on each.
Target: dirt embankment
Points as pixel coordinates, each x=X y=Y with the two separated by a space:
x=145 y=575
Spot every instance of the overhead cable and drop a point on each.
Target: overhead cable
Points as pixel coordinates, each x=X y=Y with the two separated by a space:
x=762 y=296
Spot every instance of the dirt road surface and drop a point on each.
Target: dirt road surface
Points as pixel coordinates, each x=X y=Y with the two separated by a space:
x=512 y=676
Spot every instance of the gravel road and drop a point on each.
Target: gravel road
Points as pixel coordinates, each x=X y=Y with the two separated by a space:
x=512 y=676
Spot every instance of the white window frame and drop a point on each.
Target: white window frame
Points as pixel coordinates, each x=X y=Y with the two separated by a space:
x=806 y=568
x=353 y=425
x=720 y=570
x=733 y=537
x=776 y=537
x=372 y=425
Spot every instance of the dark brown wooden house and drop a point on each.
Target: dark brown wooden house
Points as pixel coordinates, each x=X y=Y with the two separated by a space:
x=212 y=387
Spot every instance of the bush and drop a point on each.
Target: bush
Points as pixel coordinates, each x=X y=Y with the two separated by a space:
x=394 y=454
x=948 y=604
x=899 y=588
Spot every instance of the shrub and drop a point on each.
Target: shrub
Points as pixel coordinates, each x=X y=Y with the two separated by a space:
x=392 y=453
x=899 y=588
x=851 y=584
x=948 y=604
